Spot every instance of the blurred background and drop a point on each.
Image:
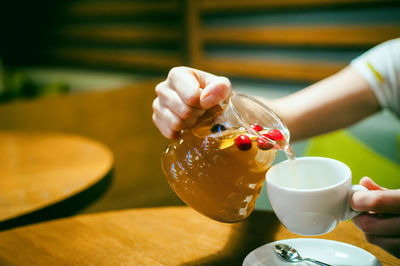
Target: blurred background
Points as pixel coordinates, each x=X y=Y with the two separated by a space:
x=95 y=44
x=266 y=47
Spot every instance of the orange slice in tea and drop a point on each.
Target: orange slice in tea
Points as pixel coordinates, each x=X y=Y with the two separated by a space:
x=201 y=132
x=226 y=143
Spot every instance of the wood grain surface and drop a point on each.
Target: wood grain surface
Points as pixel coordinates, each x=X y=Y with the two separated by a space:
x=154 y=236
x=118 y=34
x=121 y=119
x=41 y=169
x=294 y=70
x=308 y=35
x=96 y=9
x=155 y=60
x=224 y=5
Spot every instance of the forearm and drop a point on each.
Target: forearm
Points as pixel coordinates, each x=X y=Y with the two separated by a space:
x=333 y=103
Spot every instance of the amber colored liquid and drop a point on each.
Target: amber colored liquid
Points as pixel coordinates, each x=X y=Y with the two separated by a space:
x=292 y=158
x=221 y=183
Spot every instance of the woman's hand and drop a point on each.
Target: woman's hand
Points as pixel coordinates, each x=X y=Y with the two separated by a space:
x=381 y=222
x=184 y=96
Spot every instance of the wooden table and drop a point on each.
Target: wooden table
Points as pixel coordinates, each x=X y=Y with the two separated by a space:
x=119 y=118
x=154 y=236
x=38 y=170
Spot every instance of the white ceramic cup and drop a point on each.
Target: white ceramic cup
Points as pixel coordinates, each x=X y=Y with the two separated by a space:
x=316 y=200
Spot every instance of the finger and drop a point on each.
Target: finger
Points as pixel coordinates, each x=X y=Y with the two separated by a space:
x=370 y=184
x=168 y=119
x=189 y=84
x=378 y=224
x=390 y=244
x=381 y=201
x=217 y=90
x=185 y=83
x=170 y=99
x=165 y=131
x=168 y=123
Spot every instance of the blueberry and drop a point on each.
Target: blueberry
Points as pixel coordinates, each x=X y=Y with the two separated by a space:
x=217 y=128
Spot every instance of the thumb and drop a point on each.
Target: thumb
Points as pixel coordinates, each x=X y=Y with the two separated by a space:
x=370 y=184
x=216 y=90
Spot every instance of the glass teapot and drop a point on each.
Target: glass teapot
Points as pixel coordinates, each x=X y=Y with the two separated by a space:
x=218 y=166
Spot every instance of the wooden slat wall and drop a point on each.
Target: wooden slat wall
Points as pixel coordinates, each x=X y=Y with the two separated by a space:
x=119 y=34
x=144 y=36
x=283 y=70
x=309 y=35
x=121 y=8
x=126 y=59
x=155 y=35
x=228 y=5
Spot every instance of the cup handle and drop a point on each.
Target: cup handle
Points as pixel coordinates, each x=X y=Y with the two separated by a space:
x=349 y=213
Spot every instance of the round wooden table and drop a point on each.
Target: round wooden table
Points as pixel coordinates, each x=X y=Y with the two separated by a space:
x=38 y=170
x=155 y=236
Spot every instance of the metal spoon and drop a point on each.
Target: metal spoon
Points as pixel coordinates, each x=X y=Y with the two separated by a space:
x=289 y=254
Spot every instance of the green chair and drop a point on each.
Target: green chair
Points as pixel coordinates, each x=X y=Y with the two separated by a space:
x=362 y=160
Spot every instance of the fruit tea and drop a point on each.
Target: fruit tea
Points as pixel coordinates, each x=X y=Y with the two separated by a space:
x=219 y=169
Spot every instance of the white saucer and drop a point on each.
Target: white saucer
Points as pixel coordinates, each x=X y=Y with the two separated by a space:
x=328 y=251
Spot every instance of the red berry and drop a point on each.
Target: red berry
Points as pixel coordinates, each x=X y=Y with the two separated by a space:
x=243 y=142
x=256 y=127
x=275 y=135
x=263 y=143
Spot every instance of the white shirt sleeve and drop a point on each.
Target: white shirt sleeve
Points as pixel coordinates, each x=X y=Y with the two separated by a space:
x=380 y=66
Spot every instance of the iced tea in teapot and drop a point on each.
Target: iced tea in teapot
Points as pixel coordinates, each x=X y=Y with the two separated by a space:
x=218 y=167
